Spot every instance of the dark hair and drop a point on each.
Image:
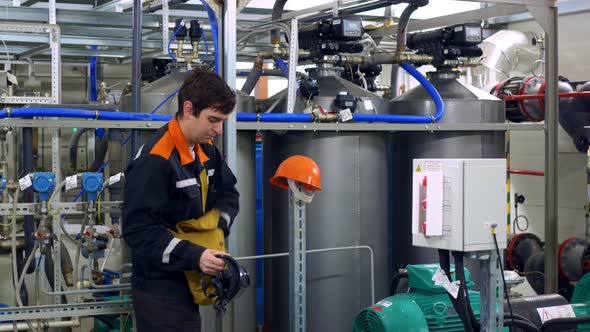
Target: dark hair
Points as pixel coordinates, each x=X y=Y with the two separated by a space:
x=206 y=89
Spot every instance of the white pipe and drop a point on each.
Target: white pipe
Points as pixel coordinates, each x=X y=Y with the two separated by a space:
x=505 y=52
x=36 y=324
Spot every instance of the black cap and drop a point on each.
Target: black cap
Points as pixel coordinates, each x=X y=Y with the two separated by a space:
x=181 y=34
x=194 y=31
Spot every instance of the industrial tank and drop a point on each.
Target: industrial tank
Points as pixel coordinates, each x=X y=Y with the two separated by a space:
x=152 y=94
x=463 y=104
x=350 y=210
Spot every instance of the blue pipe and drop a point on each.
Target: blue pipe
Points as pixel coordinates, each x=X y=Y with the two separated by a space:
x=259 y=235
x=93 y=90
x=438 y=102
x=180 y=26
x=214 y=33
x=83 y=114
x=243 y=117
x=282 y=66
x=274 y=117
x=165 y=100
x=93 y=95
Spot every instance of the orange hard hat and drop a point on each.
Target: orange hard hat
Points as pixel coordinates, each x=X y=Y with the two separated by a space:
x=301 y=169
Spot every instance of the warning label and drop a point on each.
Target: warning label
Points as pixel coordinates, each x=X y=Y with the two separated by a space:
x=441 y=279
x=560 y=311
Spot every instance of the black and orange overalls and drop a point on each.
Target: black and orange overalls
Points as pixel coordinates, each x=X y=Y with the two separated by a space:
x=173 y=203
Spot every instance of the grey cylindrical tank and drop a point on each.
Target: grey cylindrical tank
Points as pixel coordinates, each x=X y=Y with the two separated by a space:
x=463 y=104
x=153 y=94
x=331 y=84
x=350 y=210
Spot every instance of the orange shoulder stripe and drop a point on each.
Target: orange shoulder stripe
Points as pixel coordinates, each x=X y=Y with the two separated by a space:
x=164 y=146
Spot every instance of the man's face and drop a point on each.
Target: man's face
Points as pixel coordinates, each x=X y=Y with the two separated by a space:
x=207 y=125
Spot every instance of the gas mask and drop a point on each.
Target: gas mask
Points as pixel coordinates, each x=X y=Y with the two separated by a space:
x=229 y=283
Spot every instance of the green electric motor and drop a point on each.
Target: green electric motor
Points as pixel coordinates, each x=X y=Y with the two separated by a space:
x=426 y=308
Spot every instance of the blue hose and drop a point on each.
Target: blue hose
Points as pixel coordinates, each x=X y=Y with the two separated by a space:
x=170 y=42
x=93 y=95
x=93 y=91
x=165 y=100
x=259 y=233
x=388 y=118
x=274 y=117
x=206 y=45
x=213 y=22
x=438 y=102
x=83 y=114
x=282 y=66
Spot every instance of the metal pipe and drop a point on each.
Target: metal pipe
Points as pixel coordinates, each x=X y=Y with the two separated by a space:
x=67 y=268
x=136 y=58
x=265 y=72
x=18 y=268
x=282 y=254
x=39 y=325
x=402 y=27
x=277 y=13
x=155 y=8
x=21 y=279
x=92 y=107
x=551 y=153
x=253 y=76
x=83 y=291
x=541 y=96
x=91 y=281
x=378 y=59
x=526 y=172
x=280 y=98
x=504 y=52
x=29 y=225
x=6 y=245
x=74 y=140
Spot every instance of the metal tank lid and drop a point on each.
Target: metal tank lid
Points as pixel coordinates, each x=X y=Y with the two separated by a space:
x=449 y=87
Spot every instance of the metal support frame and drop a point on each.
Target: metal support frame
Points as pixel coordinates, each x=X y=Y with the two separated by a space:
x=55 y=45
x=491 y=300
x=66 y=310
x=227 y=60
x=54 y=32
x=165 y=30
x=65 y=208
x=551 y=146
x=293 y=60
x=298 y=126
x=297 y=264
x=228 y=68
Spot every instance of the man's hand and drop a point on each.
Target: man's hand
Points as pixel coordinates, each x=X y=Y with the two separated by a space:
x=209 y=264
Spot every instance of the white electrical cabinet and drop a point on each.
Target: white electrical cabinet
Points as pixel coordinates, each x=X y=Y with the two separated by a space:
x=456 y=203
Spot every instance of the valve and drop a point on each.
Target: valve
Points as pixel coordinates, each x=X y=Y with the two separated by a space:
x=194 y=31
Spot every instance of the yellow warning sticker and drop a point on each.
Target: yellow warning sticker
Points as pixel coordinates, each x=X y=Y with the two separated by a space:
x=418 y=169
